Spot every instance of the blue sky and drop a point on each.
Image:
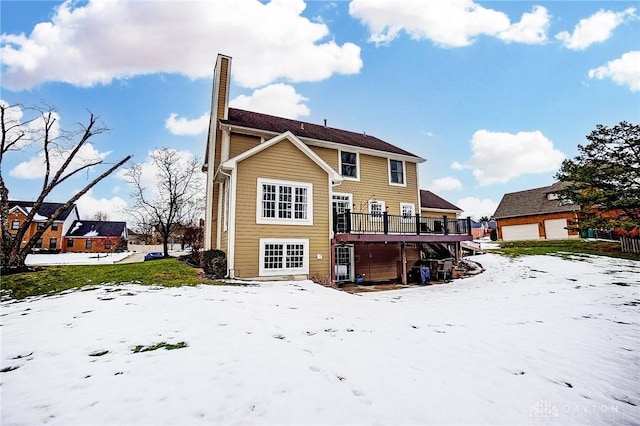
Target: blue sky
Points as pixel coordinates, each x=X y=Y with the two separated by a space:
x=494 y=95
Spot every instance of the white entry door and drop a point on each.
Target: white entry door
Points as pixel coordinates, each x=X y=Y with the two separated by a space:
x=556 y=229
x=341 y=203
x=345 y=270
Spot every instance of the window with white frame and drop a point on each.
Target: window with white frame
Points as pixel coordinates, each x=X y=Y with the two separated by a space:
x=408 y=211
x=396 y=172
x=284 y=257
x=284 y=202
x=376 y=208
x=349 y=165
x=15 y=224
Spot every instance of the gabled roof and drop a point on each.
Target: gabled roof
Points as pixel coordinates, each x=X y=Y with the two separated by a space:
x=278 y=125
x=46 y=209
x=533 y=201
x=97 y=228
x=429 y=200
x=232 y=162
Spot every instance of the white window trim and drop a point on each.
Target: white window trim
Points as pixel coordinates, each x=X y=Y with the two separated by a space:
x=357 y=178
x=284 y=271
x=383 y=209
x=413 y=211
x=277 y=221
x=404 y=172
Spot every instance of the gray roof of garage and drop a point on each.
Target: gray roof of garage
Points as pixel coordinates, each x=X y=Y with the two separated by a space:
x=533 y=202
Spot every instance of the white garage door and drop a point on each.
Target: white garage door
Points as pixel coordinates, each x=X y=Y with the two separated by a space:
x=520 y=232
x=555 y=229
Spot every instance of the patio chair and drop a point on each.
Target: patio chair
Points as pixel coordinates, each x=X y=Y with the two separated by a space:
x=444 y=270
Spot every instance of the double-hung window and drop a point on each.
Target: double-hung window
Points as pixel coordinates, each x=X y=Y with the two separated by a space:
x=284 y=256
x=396 y=172
x=284 y=202
x=15 y=224
x=349 y=165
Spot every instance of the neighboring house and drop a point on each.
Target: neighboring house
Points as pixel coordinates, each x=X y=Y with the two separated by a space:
x=96 y=236
x=52 y=237
x=290 y=199
x=482 y=229
x=534 y=214
x=434 y=206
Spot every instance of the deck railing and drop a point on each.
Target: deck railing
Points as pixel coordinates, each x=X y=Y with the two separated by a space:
x=384 y=223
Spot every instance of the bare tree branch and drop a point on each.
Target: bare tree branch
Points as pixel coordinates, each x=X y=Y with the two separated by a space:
x=12 y=253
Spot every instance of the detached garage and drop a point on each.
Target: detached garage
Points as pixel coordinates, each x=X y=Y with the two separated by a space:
x=535 y=214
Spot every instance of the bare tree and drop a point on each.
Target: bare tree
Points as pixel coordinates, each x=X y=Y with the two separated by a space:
x=174 y=198
x=39 y=131
x=101 y=216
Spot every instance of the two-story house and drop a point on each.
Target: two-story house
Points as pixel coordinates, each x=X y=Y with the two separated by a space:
x=291 y=199
x=52 y=238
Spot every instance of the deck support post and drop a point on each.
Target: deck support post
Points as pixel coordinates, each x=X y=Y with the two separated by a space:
x=332 y=263
x=404 y=264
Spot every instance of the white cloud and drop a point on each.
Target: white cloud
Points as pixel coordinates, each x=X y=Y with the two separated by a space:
x=453 y=23
x=34 y=167
x=594 y=29
x=624 y=71
x=184 y=126
x=150 y=172
x=446 y=183
x=532 y=28
x=498 y=156
x=457 y=166
x=96 y=42
x=32 y=127
x=476 y=207
x=114 y=207
x=276 y=99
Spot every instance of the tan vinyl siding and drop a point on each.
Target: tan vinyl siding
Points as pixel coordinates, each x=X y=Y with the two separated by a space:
x=224 y=240
x=214 y=218
x=430 y=213
x=374 y=181
x=222 y=90
x=282 y=161
x=241 y=143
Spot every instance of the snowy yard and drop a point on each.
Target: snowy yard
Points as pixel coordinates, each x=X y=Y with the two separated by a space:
x=535 y=340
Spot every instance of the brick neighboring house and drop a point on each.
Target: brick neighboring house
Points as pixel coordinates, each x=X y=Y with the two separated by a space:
x=52 y=237
x=535 y=214
x=95 y=236
x=291 y=199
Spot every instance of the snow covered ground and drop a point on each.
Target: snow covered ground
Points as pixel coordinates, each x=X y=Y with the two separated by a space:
x=534 y=340
x=75 y=258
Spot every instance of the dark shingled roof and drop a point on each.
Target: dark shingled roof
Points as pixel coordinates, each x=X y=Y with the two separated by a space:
x=532 y=202
x=46 y=209
x=278 y=125
x=429 y=200
x=81 y=228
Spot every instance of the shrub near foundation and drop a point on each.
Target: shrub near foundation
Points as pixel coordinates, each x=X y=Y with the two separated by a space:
x=214 y=263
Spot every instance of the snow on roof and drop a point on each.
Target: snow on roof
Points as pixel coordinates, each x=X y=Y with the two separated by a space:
x=92 y=233
x=76 y=226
